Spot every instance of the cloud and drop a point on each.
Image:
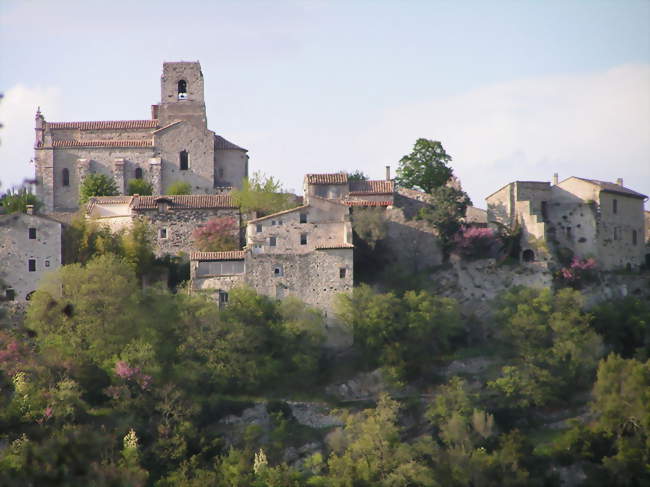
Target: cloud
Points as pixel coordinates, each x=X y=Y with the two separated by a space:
x=595 y=125
x=17 y=110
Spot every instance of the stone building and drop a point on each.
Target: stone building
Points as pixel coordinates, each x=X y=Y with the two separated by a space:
x=174 y=145
x=30 y=246
x=580 y=217
x=172 y=218
x=305 y=252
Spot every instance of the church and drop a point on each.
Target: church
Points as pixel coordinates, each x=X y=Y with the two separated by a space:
x=174 y=145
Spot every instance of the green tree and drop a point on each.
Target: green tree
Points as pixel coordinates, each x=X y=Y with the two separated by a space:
x=137 y=247
x=140 y=187
x=357 y=175
x=624 y=325
x=14 y=201
x=96 y=185
x=370 y=225
x=552 y=348
x=445 y=211
x=426 y=167
x=179 y=188
x=262 y=194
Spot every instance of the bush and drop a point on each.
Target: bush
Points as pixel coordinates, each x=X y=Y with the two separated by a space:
x=179 y=187
x=578 y=272
x=475 y=242
x=140 y=187
x=96 y=185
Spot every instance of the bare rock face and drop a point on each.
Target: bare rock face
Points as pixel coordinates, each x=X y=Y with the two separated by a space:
x=314 y=415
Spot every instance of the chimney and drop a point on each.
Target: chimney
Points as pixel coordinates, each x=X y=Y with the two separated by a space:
x=29 y=209
x=555 y=179
x=387 y=173
x=619 y=181
x=154 y=112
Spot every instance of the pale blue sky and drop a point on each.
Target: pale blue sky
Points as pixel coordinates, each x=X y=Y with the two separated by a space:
x=513 y=89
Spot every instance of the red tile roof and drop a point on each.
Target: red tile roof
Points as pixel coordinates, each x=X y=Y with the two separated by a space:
x=335 y=178
x=102 y=143
x=107 y=125
x=188 y=201
x=376 y=186
x=335 y=246
x=227 y=255
x=367 y=203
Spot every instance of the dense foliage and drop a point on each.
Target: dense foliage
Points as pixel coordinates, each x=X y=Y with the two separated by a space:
x=96 y=185
x=14 y=201
x=139 y=187
x=262 y=194
x=216 y=235
x=179 y=188
x=426 y=167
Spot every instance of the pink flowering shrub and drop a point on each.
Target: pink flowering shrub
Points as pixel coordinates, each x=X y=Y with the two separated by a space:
x=578 y=271
x=475 y=242
x=14 y=356
x=216 y=235
x=132 y=375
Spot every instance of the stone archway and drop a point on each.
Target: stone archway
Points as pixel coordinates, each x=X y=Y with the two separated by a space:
x=528 y=255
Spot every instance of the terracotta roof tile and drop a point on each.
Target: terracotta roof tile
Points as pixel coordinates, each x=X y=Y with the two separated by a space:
x=335 y=246
x=335 y=178
x=108 y=125
x=102 y=143
x=189 y=201
x=222 y=144
x=368 y=203
x=272 y=215
x=227 y=255
x=376 y=186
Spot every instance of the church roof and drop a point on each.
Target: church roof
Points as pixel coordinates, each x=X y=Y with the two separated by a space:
x=107 y=124
x=221 y=143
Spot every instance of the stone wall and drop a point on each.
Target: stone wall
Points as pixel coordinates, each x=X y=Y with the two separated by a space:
x=16 y=249
x=231 y=166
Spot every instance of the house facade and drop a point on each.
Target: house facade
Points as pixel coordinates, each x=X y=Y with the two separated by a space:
x=580 y=217
x=30 y=246
x=174 y=145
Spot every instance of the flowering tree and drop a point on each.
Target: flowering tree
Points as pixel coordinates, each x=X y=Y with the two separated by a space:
x=578 y=272
x=216 y=235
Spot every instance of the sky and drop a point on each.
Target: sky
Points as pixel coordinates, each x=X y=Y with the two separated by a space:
x=514 y=90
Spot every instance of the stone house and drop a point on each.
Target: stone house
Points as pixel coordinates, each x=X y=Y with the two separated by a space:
x=580 y=217
x=30 y=246
x=305 y=252
x=172 y=218
x=174 y=145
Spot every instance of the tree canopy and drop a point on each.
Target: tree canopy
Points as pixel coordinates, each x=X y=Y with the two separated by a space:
x=426 y=167
x=96 y=185
x=262 y=194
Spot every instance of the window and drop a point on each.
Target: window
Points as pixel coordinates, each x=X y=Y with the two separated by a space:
x=258 y=228
x=273 y=222
x=303 y=239
x=303 y=218
x=184 y=160
x=162 y=233
x=31 y=265
x=138 y=173
x=220 y=268
x=10 y=294
x=615 y=206
x=279 y=222
x=272 y=241
x=278 y=271
x=66 y=177
x=223 y=297
x=182 y=90
x=634 y=237
x=47 y=263
x=544 y=211
x=32 y=234
x=342 y=272
x=528 y=255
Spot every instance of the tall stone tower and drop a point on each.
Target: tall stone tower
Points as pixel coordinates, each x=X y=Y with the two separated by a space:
x=181 y=94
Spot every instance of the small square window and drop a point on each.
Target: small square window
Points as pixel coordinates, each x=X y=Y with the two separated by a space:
x=162 y=233
x=272 y=241
x=10 y=294
x=273 y=222
x=31 y=265
x=303 y=239
x=32 y=233
x=342 y=272
x=47 y=263
x=278 y=271
x=303 y=218
x=258 y=228
x=279 y=222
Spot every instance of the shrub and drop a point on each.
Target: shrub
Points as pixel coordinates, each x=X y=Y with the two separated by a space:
x=14 y=201
x=179 y=187
x=216 y=235
x=96 y=185
x=475 y=242
x=578 y=272
x=139 y=186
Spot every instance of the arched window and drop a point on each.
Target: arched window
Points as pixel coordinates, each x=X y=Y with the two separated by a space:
x=182 y=90
x=138 y=173
x=528 y=255
x=66 y=177
x=184 y=160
